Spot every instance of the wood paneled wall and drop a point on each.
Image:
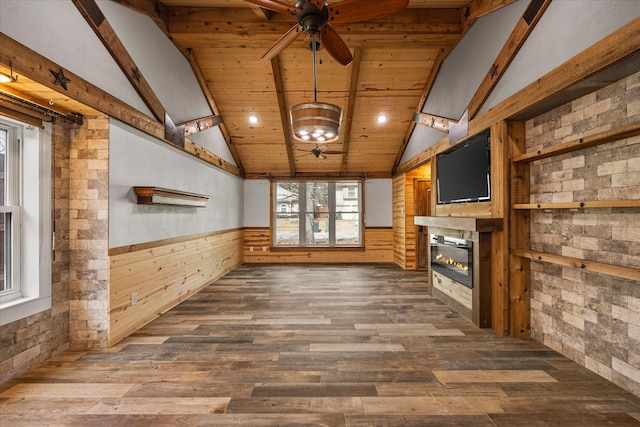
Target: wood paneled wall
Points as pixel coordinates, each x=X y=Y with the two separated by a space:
x=399 y=223
x=404 y=209
x=163 y=274
x=378 y=248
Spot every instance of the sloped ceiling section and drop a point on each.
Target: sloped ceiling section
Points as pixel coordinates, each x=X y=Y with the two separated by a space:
x=395 y=61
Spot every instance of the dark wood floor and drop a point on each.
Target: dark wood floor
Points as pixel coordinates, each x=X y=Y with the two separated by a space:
x=315 y=345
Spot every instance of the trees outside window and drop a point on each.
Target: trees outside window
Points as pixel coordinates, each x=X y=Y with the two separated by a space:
x=323 y=213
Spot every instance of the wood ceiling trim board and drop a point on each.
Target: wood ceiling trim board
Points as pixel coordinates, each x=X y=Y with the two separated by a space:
x=7 y=88
x=519 y=35
x=202 y=81
x=100 y=25
x=284 y=113
x=348 y=122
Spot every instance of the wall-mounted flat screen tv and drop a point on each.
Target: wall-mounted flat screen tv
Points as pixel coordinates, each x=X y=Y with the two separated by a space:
x=464 y=173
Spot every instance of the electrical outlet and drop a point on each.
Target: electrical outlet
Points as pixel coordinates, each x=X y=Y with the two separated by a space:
x=264 y=249
x=134 y=298
x=250 y=248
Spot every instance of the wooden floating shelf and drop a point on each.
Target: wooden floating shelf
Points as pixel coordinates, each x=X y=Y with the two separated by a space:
x=580 y=205
x=591 y=266
x=460 y=223
x=165 y=196
x=588 y=141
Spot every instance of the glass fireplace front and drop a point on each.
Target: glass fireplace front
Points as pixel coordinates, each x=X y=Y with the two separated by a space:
x=452 y=257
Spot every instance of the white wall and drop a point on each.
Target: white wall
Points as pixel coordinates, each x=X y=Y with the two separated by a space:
x=378 y=203
x=566 y=28
x=257 y=203
x=136 y=159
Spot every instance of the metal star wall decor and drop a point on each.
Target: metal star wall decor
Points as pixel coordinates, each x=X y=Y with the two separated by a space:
x=60 y=78
x=136 y=74
x=494 y=70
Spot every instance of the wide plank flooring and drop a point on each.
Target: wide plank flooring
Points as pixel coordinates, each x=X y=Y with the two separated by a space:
x=315 y=345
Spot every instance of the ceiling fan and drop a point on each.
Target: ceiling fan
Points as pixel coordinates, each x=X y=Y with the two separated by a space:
x=321 y=151
x=316 y=17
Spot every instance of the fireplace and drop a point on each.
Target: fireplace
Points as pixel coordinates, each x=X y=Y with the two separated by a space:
x=452 y=257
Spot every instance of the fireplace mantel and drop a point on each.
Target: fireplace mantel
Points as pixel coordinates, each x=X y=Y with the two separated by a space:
x=482 y=225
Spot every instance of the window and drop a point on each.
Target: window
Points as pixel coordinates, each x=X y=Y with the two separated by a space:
x=25 y=220
x=10 y=212
x=324 y=214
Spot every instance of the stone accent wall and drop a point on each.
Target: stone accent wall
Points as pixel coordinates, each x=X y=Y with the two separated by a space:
x=32 y=340
x=594 y=319
x=89 y=233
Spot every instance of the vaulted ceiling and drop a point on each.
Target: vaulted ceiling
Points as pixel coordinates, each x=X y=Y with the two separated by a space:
x=396 y=59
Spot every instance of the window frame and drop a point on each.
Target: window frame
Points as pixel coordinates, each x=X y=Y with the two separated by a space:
x=33 y=260
x=333 y=212
x=12 y=210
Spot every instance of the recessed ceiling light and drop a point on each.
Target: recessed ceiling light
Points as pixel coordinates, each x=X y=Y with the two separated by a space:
x=382 y=118
x=253 y=119
x=4 y=78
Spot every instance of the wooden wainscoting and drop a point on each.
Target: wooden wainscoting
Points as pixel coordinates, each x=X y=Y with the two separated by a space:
x=160 y=275
x=378 y=248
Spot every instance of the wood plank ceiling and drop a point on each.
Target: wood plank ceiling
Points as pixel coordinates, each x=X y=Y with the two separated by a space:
x=395 y=61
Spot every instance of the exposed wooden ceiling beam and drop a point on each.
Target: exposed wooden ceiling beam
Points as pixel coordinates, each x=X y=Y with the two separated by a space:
x=284 y=113
x=201 y=124
x=432 y=121
x=239 y=27
x=36 y=67
x=510 y=49
x=348 y=122
x=202 y=81
x=437 y=64
x=100 y=25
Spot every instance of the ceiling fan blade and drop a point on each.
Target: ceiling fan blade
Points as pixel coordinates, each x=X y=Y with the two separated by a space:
x=334 y=44
x=284 y=41
x=275 y=6
x=364 y=10
x=323 y=157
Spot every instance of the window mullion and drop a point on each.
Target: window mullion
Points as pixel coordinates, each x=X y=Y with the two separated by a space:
x=332 y=213
x=302 y=221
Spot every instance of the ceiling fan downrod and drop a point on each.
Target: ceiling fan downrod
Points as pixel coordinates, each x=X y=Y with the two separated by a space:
x=315 y=71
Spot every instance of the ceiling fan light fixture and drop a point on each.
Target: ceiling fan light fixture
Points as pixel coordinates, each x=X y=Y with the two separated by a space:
x=316 y=122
